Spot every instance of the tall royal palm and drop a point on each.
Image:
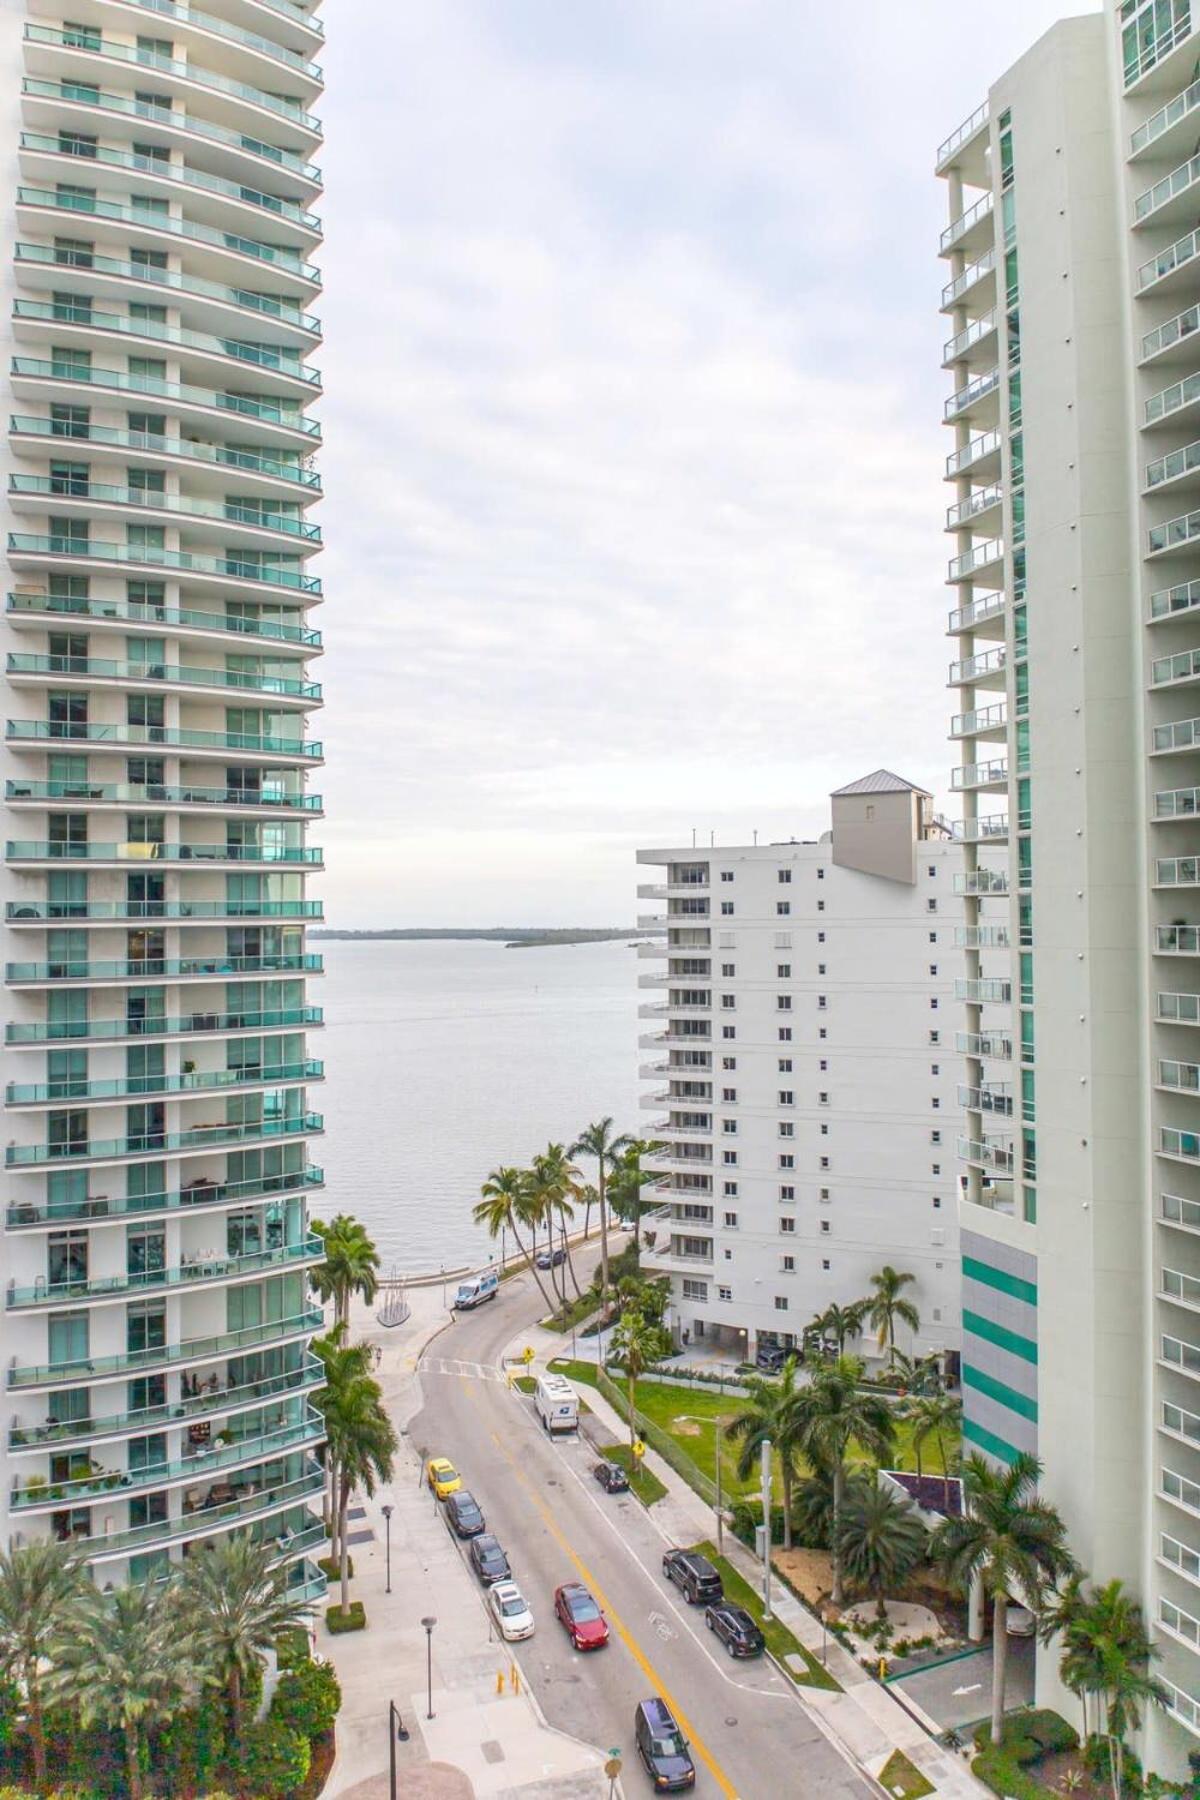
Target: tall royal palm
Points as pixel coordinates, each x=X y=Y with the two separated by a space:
x=626 y=1182
x=770 y=1415
x=363 y=1443
x=835 y=1412
x=888 y=1302
x=236 y=1604
x=638 y=1345
x=342 y=1363
x=1009 y=1538
x=936 y=1416
x=598 y=1141
x=560 y=1184
x=505 y=1207
x=40 y=1585
x=350 y=1265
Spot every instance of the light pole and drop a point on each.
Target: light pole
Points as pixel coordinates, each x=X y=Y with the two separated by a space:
x=429 y=1624
x=387 y=1523
x=397 y=1732
x=766 y=1511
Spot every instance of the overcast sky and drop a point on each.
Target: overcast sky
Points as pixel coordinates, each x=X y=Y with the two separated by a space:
x=633 y=444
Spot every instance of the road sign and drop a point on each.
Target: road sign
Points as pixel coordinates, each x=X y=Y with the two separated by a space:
x=612 y=1767
x=528 y=1353
x=639 y=1449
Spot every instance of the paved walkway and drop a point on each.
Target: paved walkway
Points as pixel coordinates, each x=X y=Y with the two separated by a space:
x=869 y=1720
x=480 y=1741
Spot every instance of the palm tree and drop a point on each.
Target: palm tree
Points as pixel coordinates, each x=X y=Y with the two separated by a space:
x=127 y=1660
x=598 y=1141
x=639 y=1345
x=342 y=1364
x=627 y=1181
x=886 y=1303
x=40 y=1585
x=504 y=1205
x=881 y=1540
x=362 y=1442
x=590 y=1197
x=237 y=1605
x=1107 y=1653
x=936 y=1416
x=561 y=1185
x=350 y=1265
x=842 y=1322
x=770 y=1416
x=1009 y=1538
x=836 y=1412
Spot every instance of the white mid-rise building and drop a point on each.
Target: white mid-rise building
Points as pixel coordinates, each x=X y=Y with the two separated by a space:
x=158 y=286
x=804 y=1077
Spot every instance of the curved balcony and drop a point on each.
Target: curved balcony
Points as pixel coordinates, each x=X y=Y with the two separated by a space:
x=1169 y=198
x=185 y=621
x=1174 y=536
x=141 y=1087
x=75 y=271
x=229 y=520
x=165 y=1356
x=232 y=101
x=36 y=1494
x=1181 y=396
x=201 y=1194
x=159 y=796
x=83 y=670
x=157 y=1144
x=28 y=549
x=161 y=968
x=230 y=1515
x=175 y=126
x=205 y=25
x=274 y=418
x=1179 y=466
x=119 y=738
x=151 y=447
x=266 y=856
x=285 y=263
x=40 y=913
x=195 y=1273
x=225 y=1400
x=151 y=1030
x=79 y=321
x=1168 y=118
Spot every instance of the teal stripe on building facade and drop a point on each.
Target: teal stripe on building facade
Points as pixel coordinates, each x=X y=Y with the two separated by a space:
x=999 y=1391
x=974 y=1433
x=1000 y=1279
x=998 y=1334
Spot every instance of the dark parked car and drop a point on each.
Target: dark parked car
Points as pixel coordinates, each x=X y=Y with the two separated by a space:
x=488 y=1559
x=465 y=1515
x=735 y=1628
x=550 y=1259
x=612 y=1477
x=693 y=1575
x=771 y=1357
x=662 y=1747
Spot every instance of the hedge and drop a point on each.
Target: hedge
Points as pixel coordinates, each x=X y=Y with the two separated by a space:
x=354 y=1620
x=1029 y=1735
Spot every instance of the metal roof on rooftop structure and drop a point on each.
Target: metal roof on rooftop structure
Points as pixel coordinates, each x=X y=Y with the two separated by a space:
x=881 y=782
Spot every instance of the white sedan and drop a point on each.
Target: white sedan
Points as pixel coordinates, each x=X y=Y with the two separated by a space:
x=511 y=1610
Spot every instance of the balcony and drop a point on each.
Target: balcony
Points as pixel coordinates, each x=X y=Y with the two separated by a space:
x=30 y=610
x=987 y=669
x=1178 y=1009
x=1171 y=267
x=985 y=500
x=1176 y=671
x=1174 y=1555
x=970 y=230
x=35 y=853
x=984 y=721
x=1180 y=1492
x=162 y=968
x=1179 y=466
x=25 y=548
x=50 y=670
x=153 y=448
x=159 y=797
x=991 y=830
x=981 y=881
x=1184 y=1290
x=228 y=520
x=982 y=454
x=981 y=937
x=1181 y=396
x=201 y=1193
x=1174 y=1621
x=38 y=378
x=1168 y=602
x=1184 y=1215
x=967 y=567
x=967 y=134
x=288 y=18
x=1174 y=536
x=1172 y=118
x=1181 y=1706
x=987 y=608
x=191 y=1273
x=140 y=1087
x=1183 y=734
x=37 y=914
x=153 y=1030
x=229 y=1515
x=972 y=398
x=1177 y=871
x=983 y=990
x=976 y=336
x=157 y=1144
x=1172 y=340
x=974 y=776
x=164 y=1356
x=994 y=1097
x=956 y=292
x=1171 y=198
x=993 y=1045
x=1176 y=940
x=996 y=1156
x=1174 y=1353
x=1176 y=803
x=120 y=738
x=1179 y=1146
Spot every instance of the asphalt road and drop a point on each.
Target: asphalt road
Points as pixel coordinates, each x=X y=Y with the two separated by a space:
x=750 y=1735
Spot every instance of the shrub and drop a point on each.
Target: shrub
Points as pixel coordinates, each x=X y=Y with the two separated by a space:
x=291 y=1647
x=354 y=1620
x=1097 y=1757
x=307 y=1699
x=1006 y=1778
x=189 y=1751
x=272 y=1759
x=1031 y=1735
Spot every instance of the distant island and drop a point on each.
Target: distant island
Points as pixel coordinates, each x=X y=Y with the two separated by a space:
x=513 y=937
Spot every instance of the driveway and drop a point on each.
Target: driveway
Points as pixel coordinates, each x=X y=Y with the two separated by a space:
x=958 y=1692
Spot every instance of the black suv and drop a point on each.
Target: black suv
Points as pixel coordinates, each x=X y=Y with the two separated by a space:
x=662 y=1747
x=693 y=1575
x=488 y=1560
x=464 y=1515
x=612 y=1477
x=771 y=1358
x=735 y=1628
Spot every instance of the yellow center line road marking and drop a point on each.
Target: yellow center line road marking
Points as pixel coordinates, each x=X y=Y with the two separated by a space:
x=643 y=1662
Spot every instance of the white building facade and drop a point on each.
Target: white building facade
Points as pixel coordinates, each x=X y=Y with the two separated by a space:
x=158 y=632
x=1073 y=359
x=802 y=1073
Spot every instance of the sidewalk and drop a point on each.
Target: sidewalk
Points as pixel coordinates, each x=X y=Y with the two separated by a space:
x=865 y=1718
x=479 y=1742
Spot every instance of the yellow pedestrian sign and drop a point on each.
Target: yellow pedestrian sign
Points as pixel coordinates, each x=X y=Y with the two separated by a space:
x=528 y=1353
x=639 y=1449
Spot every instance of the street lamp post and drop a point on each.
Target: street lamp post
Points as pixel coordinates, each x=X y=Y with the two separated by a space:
x=429 y=1624
x=387 y=1523
x=766 y=1512
x=397 y=1732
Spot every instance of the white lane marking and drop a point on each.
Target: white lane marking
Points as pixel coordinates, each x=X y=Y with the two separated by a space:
x=973 y=1689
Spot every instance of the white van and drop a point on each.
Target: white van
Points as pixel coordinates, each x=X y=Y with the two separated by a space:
x=477 y=1289
x=557 y=1407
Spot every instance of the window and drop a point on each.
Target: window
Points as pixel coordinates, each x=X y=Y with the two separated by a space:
x=728 y=1255
x=935 y=1168
x=824 y=1162
x=787 y=1160
x=932 y=870
x=820 y=968
x=726 y=874
x=786 y=1097
x=785 y=1065
x=933 y=1005
x=787 y=1265
x=783 y=940
x=729 y=1127
x=787 y=1192
x=782 y=908
x=933 y=968
x=784 y=874
x=933 y=937
x=783 y=1003
x=729 y=1189
x=822 y=1032
x=935 y=1068
x=820 y=937
x=729 y=1094
x=820 y=874
x=824 y=1131
x=935 y=1037
x=729 y=970
x=729 y=1062
x=823 y=1065
x=785 y=1034
x=824 y=1224
x=825 y=1263
x=786 y=1128
x=724 y=1293
x=783 y=971
x=729 y=1158
x=937 y=1203
x=935 y=1103
x=731 y=1221
x=935 y=1137
x=820 y=906
x=931 y=906
x=728 y=1031
x=823 y=1194
x=823 y=1098
x=694 y=1290
x=781 y=1303
x=787 y=1224
x=727 y=909
x=728 y=1002
x=822 y=1002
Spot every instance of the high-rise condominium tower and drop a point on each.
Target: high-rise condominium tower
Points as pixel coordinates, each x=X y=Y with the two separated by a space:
x=805 y=1079
x=159 y=186
x=1074 y=366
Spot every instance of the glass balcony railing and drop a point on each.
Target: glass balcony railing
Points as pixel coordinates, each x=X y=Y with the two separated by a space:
x=188 y=1274
x=1177 y=803
x=187 y=912
x=252 y=40
x=160 y=1143
x=272 y=306
x=1180 y=599
x=1172 y=399
x=992 y=1097
x=151 y=674
x=1166 y=116
x=986 y=444
x=977 y=775
x=971 y=394
x=970 y=277
x=983 y=719
x=1174 y=257
x=979 y=556
x=962 y=342
x=1183 y=734
x=200 y=1193
x=193 y=1524
x=966 y=131
x=1177 y=940
x=983 y=990
x=976 y=612
x=978 y=668
x=993 y=829
x=982 y=881
x=226 y=456
x=1169 y=188
x=124 y=793
x=263 y=408
x=1183 y=667
x=282 y=258
x=1174 y=534
x=982 y=937
x=74 y=311
x=271 y=1018
x=35 y=850
x=166 y=968
x=1172 y=331
x=959 y=227
x=1180 y=1421
x=57 y=1433
x=161 y=64
x=1179 y=1009
x=1185 y=1147
x=228 y=1343
x=57 y=489
x=245 y=743
x=1173 y=466
x=985 y=500
x=230 y=567
x=996 y=1045
x=996 y=1156
x=1179 y=1557
x=140 y=1087
x=1180 y=1704
x=1180 y=1355
x=149 y=614
x=1175 y=1211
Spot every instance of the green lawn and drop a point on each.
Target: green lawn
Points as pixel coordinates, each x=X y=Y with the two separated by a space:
x=780 y=1640
x=642 y=1481
x=903 y=1779
x=576 y=1314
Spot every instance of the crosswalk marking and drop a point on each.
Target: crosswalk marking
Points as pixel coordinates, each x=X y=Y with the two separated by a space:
x=455 y=1365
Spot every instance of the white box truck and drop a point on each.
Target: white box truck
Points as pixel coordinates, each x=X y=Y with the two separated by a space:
x=476 y=1289
x=557 y=1407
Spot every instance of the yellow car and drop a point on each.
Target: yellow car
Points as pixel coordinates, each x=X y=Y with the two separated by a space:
x=443 y=1477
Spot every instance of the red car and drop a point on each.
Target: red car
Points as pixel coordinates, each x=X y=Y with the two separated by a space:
x=580 y=1617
